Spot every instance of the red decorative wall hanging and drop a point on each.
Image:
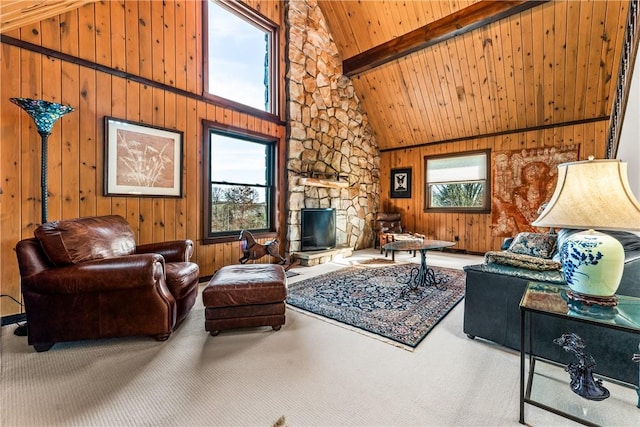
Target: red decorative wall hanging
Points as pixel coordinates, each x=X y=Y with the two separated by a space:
x=523 y=180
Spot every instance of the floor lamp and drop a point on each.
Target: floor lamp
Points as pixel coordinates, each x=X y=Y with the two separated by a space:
x=44 y=114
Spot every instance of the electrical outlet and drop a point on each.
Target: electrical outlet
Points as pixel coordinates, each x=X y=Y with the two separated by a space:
x=456 y=238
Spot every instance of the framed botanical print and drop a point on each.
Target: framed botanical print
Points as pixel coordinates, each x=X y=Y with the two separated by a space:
x=401 y=183
x=142 y=160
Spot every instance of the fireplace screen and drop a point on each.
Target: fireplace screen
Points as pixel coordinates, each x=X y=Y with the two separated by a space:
x=318 y=229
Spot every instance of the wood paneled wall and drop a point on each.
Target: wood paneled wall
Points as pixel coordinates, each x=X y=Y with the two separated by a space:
x=474 y=230
x=158 y=41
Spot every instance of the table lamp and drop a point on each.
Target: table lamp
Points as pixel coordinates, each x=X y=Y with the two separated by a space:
x=592 y=194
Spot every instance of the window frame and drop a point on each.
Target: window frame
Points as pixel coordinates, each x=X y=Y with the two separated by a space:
x=486 y=208
x=209 y=127
x=252 y=17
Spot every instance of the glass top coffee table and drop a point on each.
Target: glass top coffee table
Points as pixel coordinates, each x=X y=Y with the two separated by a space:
x=424 y=275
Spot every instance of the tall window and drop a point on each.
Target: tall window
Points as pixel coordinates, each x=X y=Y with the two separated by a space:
x=241 y=61
x=240 y=191
x=458 y=182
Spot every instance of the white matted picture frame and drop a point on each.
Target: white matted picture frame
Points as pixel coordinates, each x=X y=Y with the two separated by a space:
x=401 y=183
x=141 y=160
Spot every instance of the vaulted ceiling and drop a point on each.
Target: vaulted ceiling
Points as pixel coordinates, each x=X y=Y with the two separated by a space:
x=425 y=75
x=554 y=63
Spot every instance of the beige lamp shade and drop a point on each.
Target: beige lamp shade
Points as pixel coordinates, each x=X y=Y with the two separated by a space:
x=592 y=194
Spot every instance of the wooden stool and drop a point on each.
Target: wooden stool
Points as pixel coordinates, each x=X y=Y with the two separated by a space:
x=245 y=296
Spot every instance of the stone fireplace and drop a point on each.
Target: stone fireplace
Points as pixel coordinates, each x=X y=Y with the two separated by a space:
x=318 y=229
x=333 y=159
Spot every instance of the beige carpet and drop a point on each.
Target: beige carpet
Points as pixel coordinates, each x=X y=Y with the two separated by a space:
x=310 y=373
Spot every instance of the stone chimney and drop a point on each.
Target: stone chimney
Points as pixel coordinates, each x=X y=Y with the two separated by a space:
x=333 y=159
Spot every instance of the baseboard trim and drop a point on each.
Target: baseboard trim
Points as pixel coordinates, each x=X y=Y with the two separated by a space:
x=13 y=318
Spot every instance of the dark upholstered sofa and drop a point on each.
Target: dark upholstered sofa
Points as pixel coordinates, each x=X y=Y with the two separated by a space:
x=492 y=301
x=86 y=278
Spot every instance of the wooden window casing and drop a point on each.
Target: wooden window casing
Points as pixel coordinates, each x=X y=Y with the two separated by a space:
x=255 y=19
x=210 y=129
x=484 y=181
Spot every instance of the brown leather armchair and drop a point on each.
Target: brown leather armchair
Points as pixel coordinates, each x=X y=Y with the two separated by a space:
x=389 y=228
x=85 y=278
x=386 y=225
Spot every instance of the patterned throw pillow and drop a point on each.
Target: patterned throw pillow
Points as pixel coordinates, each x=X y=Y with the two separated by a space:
x=521 y=261
x=534 y=244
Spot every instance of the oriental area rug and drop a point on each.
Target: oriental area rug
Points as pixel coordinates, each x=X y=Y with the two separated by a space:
x=372 y=298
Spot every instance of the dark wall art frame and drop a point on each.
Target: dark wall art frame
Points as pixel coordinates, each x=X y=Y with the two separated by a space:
x=141 y=159
x=401 y=183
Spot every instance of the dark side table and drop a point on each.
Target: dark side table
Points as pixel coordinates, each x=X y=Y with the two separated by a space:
x=549 y=387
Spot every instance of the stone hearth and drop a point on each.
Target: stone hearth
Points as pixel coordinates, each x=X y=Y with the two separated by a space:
x=309 y=258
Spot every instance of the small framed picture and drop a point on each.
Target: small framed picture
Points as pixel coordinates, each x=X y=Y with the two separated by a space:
x=141 y=160
x=401 y=183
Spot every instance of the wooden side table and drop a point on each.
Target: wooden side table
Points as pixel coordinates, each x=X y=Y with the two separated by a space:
x=551 y=300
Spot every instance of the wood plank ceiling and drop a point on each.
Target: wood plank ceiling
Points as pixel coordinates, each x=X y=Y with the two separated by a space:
x=554 y=63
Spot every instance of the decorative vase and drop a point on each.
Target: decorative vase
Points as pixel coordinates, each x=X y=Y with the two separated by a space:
x=592 y=263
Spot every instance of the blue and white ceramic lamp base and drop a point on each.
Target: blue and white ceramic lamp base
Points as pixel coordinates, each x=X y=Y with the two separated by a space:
x=592 y=263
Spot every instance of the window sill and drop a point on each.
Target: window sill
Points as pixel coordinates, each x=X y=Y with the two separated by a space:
x=459 y=210
x=236 y=238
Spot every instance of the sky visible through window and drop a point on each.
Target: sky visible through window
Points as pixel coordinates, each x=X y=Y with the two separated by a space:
x=236 y=58
x=237 y=161
x=237 y=50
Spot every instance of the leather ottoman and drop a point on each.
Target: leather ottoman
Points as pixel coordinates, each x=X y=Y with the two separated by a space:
x=245 y=296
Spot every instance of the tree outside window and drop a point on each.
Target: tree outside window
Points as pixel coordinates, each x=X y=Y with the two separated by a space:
x=240 y=182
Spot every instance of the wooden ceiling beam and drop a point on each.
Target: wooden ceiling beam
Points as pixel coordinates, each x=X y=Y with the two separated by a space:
x=18 y=13
x=462 y=21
